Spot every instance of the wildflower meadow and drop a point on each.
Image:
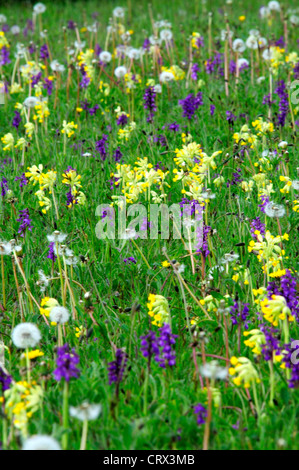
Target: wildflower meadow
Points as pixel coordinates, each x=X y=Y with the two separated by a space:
x=149 y=208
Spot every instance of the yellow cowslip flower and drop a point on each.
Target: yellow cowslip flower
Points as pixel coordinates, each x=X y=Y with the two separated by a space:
x=8 y=140
x=81 y=331
x=3 y=40
x=256 y=340
x=246 y=373
x=125 y=133
x=15 y=88
x=33 y=354
x=296 y=206
x=68 y=128
x=245 y=136
x=21 y=143
x=177 y=72
x=242 y=274
x=47 y=180
x=292 y=58
x=276 y=309
x=34 y=173
x=158 y=309
x=21 y=401
x=72 y=179
x=216 y=395
x=29 y=129
x=42 y=111
x=262 y=126
x=195 y=40
x=43 y=201
x=267 y=246
x=185 y=156
x=209 y=162
x=104 y=88
x=288 y=184
x=80 y=198
x=47 y=303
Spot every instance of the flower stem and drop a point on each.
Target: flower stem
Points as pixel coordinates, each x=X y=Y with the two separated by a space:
x=65 y=415
x=3 y=281
x=84 y=435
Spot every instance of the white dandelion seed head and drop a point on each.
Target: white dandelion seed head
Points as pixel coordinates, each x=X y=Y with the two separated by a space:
x=3 y=19
x=224 y=35
x=59 y=315
x=21 y=50
x=262 y=42
x=118 y=12
x=92 y=28
x=239 y=45
x=181 y=268
x=294 y=20
x=56 y=66
x=295 y=185
x=30 y=102
x=213 y=371
x=158 y=88
x=264 y=12
x=129 y=233
x=86 y=411
x=255 y=33
x=39 y=8
x=252 y=42
x=72 y=260
x=43 y=280
x=274 y=6
x=79 y=45
x=105 y=57
x=268 y=154
x=243 y=62
x=275 y=210
x=154 y=41
x=166 y=77
x=230 y=257
x=267 y=54
x=5 y=248
x=120 y=71
x=15 y=29
x=25 y=335
x=207 y=194
x=41 y=442
x=57 y=236
x=166 y=35
x=133 y=54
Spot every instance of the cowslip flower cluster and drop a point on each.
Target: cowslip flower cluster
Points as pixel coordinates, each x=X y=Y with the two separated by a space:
x=245 y=372
x=158 y=309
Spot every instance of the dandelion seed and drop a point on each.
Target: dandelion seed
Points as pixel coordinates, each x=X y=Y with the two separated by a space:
x=86 y=411
x=25 y=335
x=41 y=442
x=59 y=315
x=274 y=210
